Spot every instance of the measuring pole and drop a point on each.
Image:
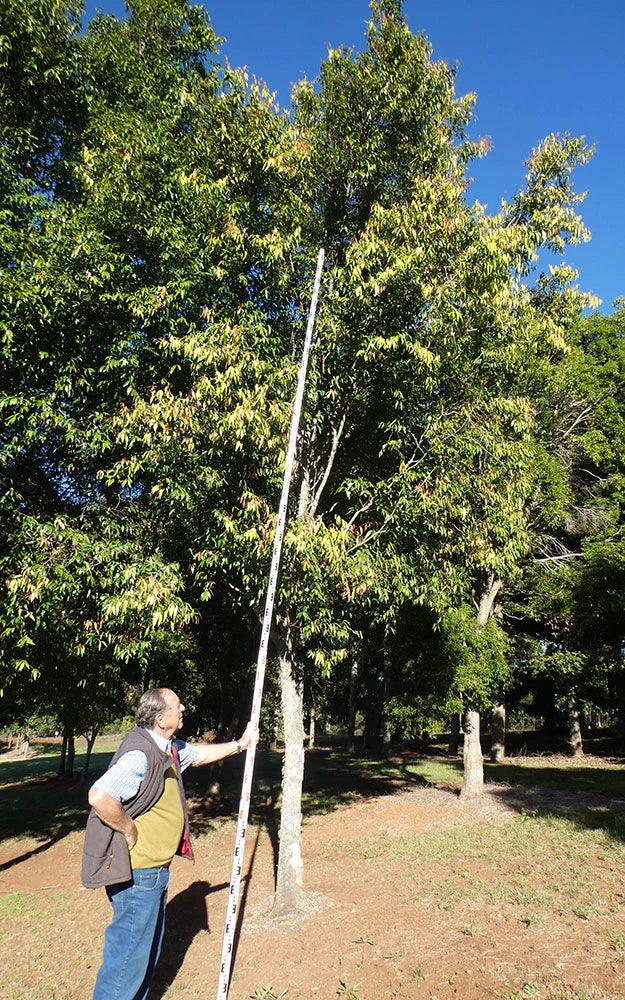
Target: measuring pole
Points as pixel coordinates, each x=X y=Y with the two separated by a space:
x=261 y=663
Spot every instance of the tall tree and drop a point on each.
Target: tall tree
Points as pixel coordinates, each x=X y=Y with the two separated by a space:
x=154 y=311
x=90 y=587
x=571 y=598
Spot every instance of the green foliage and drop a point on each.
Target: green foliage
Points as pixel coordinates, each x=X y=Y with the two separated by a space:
x=571 y=599
x=162 y=221
x=33 y=726
x=268 y=993
x=349 y=991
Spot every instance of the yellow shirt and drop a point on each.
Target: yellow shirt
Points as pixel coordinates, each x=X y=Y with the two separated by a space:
x=160 y=828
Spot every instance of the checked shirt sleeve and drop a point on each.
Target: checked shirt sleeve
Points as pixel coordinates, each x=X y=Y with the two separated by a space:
x=187 y=753
x=122 y=780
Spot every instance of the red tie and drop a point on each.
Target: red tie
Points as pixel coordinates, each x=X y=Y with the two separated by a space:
x=185 y=848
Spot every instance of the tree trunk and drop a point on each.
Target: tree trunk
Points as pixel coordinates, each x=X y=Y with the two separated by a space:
x=351 y=719
x=498 y=745
x=90 y=738
x=550 y=717
x=61 y=769
x=473 y=781
x=311 y=726
x=289 y=878
x=220 y=715
x=454 y=735
x=575 y=733
x=71 y=753
x=373 y=714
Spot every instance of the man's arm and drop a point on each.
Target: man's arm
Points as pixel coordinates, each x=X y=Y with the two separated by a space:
x=111 y=812
x=118 y=785
x=209 y=753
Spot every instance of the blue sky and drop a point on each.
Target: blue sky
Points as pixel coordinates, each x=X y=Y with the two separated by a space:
x=537 y=67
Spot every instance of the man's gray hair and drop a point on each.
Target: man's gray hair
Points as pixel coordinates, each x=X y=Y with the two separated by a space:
x=151 y=704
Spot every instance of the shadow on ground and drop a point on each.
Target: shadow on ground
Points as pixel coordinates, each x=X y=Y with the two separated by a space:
x=185 y=918
x=331 y=780
x=586 y=810
x=590 y=797
x=34 y=804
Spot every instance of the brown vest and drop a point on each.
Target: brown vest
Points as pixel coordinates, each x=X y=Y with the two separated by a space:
x=106 y=859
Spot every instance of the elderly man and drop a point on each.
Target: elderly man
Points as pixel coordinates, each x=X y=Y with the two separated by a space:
x=137 y=824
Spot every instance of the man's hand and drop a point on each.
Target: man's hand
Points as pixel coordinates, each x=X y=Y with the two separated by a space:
x=250 y=737
x=131 y=836
x=112 y=813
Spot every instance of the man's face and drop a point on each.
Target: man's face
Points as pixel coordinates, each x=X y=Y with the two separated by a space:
x=170 y=720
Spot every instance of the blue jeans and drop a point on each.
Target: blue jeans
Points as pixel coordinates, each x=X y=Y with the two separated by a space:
x=132 y=941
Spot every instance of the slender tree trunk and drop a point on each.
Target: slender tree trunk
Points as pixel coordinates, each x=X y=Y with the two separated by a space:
x=372 y=721
x=311 y=726
x=225 y=733
x=498 y=745
x=454 y=735
x=473 y=779
x=214 y=771
x=351 y=720
x=61 y=770
x=90 y=737
x=71 y=753
x=289 y=879
x=575 y=732
x=373 y=699
x=220 y=715
x=376 y=690
x=550 y=718
x=290 y=867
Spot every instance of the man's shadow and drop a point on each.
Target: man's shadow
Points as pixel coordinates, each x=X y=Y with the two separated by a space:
x=186 y=916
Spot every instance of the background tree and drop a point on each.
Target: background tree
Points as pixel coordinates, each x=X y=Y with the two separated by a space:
x=574 y=590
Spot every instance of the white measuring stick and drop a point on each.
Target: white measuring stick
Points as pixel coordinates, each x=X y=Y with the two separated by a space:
x=244 y=805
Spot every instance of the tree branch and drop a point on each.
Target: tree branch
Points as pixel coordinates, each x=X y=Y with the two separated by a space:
x=336 y=437
x=579 y=417
x=563 y=555
x=360 y=510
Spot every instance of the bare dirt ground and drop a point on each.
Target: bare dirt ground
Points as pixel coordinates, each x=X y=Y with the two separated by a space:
x=411 y=895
